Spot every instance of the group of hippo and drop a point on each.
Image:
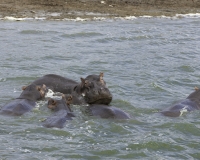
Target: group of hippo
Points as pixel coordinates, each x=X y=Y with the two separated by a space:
x=91 y=92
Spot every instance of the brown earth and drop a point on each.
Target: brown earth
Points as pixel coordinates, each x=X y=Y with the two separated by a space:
x=96 y=8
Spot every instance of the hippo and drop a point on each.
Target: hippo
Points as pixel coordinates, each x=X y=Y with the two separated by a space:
x=26 y=101
x=105 y=111
x=192 y=102
x=62 y=111
x=98 y=78
x=91 y=90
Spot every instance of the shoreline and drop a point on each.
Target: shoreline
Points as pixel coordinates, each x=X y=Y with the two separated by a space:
x=81 y=10
x=78 y=19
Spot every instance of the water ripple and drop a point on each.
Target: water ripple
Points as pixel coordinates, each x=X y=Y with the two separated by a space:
x=148 y=65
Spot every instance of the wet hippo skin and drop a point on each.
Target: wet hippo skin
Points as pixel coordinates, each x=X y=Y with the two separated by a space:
x=61 y=112
x=105 y=111
x=26 y=101
x=192 y=102
x=91 y=90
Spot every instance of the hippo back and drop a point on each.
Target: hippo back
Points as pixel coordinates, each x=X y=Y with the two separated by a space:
x=179 y=108
x=57 y=83
x=104 y=111
x=17 y=107
x=58 y=119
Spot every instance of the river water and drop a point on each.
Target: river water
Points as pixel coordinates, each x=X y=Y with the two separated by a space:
x=148 y=64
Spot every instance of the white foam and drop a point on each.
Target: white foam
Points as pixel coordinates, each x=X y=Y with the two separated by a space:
x=51 y=94
x=100 y=18
x=130 y=17
x=163 y=16
x=40 y=18
x=189 y=15
x=13 y=18
x=22 y=19
x=38 y=104
x=183 y=110
x=78 y=19
x=146 y=16
x=15 y=90
x=3 y=79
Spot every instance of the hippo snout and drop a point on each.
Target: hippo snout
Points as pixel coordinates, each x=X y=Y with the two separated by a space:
x=101 y=96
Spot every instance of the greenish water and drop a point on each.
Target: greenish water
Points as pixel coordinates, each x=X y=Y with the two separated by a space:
x=148 y=65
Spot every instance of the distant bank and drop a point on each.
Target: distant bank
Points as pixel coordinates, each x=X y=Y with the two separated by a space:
x=71 y=9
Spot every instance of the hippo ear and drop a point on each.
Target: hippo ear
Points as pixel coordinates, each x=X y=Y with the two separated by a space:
x=101 y=78
x=82 y=82
x=101 y=74
x=51 y=101
x=54 y=102
x=38 y=88
x=24 y=87
x=69 y=99
x=51 y=104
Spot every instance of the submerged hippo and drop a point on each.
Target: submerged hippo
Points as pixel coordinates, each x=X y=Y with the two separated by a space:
x=26 y=101
x=104 y=111
x=192 y=102
x=62 y=111
x=91 y=90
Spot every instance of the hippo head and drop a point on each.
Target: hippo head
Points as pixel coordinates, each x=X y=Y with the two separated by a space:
x=195 y=96
x=97 y=78
x=33 y=92
x=63 y=103
x=94 y=90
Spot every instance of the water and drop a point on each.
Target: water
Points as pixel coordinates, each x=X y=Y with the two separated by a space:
x=148 y=64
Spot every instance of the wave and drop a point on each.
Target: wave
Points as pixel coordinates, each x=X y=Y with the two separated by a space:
x=79 y=19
